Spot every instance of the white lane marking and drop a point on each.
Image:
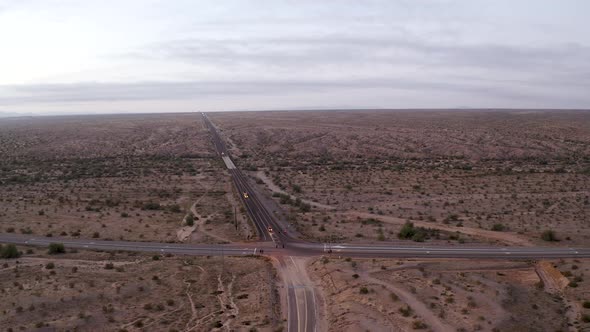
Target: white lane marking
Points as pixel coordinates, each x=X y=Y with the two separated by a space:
x=255 y=251
x=315 y=314
x=85 y=246
x=428 y=252
x=304 y=308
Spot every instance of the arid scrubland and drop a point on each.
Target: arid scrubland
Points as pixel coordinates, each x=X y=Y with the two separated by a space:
x=114 y=291
x=511 y=172
x=450 y=295
x=128 y=177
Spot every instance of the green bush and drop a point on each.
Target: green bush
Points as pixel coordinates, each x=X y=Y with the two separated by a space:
x=417 y=234
x=364 y=290
x=406 y=311
x=56 y=248
x=190 y=219
x=498 y=227
x=586 y=304
x=549 y=235
x=419 y=325
x=9 y=251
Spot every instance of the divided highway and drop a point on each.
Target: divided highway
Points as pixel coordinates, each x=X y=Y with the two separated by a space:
x=276 y=242
x=266 y=225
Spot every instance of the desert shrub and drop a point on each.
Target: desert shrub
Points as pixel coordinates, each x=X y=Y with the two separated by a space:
x=304 y=207
x=549 y=235
x=174 y=208
x=190 y=219
x=56 y=248
x=151 y=206
x=418 y=234
x=95 y=235
x=355 y=276
x=406 y=311
x=498 y=227
x=109 y=266
x=586 y=304
x=419 y=325
x=124 y=215
x=50 y=266
x=9 y=251
x=586 y=318
x=364 y=290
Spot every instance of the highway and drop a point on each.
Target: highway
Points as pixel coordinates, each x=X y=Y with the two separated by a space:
x=261 y=218
x=306 y=249
x=279 y=244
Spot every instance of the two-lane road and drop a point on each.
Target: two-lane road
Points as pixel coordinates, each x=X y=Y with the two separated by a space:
x=306 y=249
x=277 y=243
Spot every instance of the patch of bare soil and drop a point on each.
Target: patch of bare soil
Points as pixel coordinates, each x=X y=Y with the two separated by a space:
x=131 y=177
x=90 y=291
x=436 y=295
x=513 y=173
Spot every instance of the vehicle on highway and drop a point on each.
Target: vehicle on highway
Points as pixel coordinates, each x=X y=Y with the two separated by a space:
x=246 y=195
x=269 y=229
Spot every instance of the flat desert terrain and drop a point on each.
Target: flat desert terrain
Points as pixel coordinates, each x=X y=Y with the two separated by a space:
x=100 y=291
x=462 y=176
x=451 y=295
x=127 y=177
x=459 y=178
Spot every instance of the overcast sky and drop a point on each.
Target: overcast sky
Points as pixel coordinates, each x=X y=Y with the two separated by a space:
x=169 y=56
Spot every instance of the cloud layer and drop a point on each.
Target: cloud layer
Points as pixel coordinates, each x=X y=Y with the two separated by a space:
x=285 y=55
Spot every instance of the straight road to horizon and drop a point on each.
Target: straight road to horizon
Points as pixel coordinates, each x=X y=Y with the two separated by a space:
x=278 y=243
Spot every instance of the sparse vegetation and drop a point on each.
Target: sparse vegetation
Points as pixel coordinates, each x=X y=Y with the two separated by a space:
x=549 y=235
x=9 y=251
x=56 y=248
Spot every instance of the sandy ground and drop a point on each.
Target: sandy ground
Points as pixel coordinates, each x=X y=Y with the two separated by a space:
x=114 y=177
x=513 y=173
x=138 y=293
x=437 y=295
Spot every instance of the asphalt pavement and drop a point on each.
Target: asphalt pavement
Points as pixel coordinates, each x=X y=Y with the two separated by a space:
x=276 y=242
